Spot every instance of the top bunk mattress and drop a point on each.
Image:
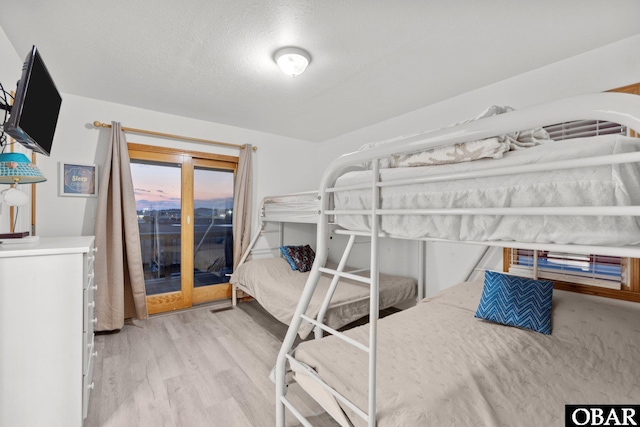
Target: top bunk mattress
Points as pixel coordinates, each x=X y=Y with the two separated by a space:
x=298 y=208
x=439 y=365
x=610 y=185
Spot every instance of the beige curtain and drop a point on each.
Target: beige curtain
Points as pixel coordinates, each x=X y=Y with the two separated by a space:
x=118 y=263
x=242 y=205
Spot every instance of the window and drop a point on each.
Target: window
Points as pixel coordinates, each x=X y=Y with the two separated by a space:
x=584 y=128
x=593 y=270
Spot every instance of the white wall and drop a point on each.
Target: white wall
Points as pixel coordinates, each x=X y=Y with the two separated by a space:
x=611 y=66
x=10 y=71
x=281 y=164
x=605 y=68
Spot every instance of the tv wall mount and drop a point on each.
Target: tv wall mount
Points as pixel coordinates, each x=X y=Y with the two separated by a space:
x=6 y=107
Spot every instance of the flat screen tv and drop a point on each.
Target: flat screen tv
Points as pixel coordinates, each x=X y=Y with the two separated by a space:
x=34 y=114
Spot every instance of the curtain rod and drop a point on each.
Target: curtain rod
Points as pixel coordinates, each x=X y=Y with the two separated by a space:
x=168 y=135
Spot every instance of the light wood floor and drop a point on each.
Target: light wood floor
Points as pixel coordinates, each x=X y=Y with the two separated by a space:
x=196 y=368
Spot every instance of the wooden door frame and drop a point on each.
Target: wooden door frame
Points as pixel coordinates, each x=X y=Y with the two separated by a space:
x=188 y=160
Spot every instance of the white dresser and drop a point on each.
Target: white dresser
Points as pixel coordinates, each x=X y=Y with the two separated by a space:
x=46 y=331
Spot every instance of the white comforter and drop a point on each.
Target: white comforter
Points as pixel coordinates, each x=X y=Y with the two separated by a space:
x=596 y=186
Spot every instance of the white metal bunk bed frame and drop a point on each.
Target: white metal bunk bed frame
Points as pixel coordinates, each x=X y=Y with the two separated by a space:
x=292 y=215
x=298 y=211
x=614 y=107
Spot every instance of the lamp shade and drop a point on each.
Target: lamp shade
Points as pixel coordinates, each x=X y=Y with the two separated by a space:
x=15 y=168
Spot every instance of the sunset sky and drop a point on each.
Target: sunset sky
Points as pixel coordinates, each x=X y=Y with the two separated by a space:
x=158 y=187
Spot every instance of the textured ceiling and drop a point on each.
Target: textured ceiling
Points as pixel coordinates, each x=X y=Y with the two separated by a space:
x=371 y=59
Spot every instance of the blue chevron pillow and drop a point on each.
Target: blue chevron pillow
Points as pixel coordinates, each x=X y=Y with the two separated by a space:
x=515 y=301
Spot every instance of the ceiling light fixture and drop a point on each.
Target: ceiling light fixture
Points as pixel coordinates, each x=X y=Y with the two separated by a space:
x=292 y=60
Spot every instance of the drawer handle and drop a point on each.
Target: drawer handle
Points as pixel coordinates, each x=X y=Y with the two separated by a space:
x=94 y=354
x=92 y=304
x=91 y=275
x=95 y=321
x=95 y=287
x=91 y=386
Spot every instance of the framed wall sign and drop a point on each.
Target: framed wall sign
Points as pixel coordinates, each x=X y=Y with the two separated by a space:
x=78 y=180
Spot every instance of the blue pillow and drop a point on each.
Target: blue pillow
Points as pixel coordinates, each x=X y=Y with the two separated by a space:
x=285 y=254
x=515 y=301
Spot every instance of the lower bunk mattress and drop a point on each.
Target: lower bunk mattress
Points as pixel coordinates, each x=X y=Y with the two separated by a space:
x=438 y=365
x=617 y=185
x=278 y=288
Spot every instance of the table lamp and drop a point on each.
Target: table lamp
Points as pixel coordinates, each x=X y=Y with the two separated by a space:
x=15 y=168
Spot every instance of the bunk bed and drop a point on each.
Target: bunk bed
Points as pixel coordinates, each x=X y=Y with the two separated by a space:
x=277 y=287
x=437 y=363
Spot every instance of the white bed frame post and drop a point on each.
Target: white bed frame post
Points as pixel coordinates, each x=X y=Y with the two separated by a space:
x=422 y=269
x=234 y=288
x=374 y=305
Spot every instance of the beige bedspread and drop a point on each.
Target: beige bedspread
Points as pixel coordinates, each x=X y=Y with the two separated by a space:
x=438 y=365
x=277 y=288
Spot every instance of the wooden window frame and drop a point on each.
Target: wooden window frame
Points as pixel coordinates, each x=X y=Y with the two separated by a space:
x=628 y=293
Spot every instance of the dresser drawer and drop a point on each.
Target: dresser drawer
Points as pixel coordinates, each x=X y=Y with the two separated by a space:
x=89 y=307
x=89 y=321
x=89 y=349
x=87 y=382
x=88 y=267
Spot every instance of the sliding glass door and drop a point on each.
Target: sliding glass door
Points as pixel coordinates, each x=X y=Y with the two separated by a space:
x=184 y=202
x=158 y=193
x=212 y=230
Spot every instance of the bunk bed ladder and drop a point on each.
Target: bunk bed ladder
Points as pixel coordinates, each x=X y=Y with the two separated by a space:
x=318 y=268
x=334 y=285
x=289 y=339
